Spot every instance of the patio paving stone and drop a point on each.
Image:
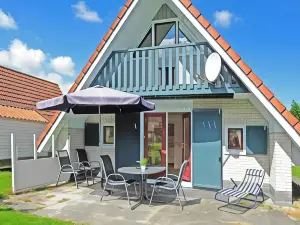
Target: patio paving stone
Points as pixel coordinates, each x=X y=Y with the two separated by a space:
x=83 y=205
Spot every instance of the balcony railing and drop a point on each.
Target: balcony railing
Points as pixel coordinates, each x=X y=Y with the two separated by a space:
x=162 y=70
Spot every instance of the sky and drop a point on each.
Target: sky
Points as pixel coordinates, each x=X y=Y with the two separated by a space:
x=54 y=39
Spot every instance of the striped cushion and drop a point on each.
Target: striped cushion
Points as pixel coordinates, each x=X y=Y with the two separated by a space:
x=250 y=185
x=233 y=193
x=252 y=181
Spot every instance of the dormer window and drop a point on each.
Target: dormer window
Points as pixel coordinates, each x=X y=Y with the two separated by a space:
x=164 y=32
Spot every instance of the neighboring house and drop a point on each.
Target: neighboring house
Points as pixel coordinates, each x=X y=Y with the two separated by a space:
x=19 y=93
x=158 y=49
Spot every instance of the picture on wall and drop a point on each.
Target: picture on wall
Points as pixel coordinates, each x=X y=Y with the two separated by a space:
x=108 y=135
x=235 y=139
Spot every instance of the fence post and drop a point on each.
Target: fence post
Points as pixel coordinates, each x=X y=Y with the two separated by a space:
x=53 y=147
x=34 y=147
x=13 y=160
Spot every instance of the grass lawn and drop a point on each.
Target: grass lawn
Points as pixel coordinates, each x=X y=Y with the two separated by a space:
x=11 y=217
x=296 y=171
x=5 y=184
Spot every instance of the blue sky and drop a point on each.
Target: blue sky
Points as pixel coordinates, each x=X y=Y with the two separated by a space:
x=57 y=43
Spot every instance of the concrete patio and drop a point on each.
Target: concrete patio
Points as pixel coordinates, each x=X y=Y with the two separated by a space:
x=83 y=205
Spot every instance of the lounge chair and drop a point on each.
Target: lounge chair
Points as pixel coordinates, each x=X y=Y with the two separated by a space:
x=250 y=186
x=114 y=179
x=171 y=182
x=89 y=165
x=66 y=166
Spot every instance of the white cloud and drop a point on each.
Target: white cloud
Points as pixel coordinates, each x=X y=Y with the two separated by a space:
x=83 y=12
x=63 y=65
x=34 y=61
x=58 y=79
x=225 y=18
x=7 y=21
x=22 y=58
x=171 y=41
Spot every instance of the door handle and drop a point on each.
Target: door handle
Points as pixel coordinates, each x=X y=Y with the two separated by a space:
x=220 y=159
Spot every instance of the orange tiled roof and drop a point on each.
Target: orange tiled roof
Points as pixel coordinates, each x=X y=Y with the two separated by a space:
x=21 y=114
x=22 y=91
x=295 y=123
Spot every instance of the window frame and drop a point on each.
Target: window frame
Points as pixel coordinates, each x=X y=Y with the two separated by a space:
x=235 y=151
x=103 y=133
x=178 y=27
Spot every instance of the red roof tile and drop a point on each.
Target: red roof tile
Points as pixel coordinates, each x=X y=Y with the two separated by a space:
x=234 y=56
x=21 y=114
x=203 y=22
x=297 y=127
x=212 y=31
x=246 y=69
x=278 y=105
x=24 y=91
x=289 y=117
x=224 y=44
x=267 y=93
x=194 y=11
x=252 y=76
x=188 y=4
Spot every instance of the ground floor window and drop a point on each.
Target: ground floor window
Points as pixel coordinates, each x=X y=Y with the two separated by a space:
x=246 y=140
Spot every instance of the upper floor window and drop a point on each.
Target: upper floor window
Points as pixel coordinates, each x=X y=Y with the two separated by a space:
x=164 y=33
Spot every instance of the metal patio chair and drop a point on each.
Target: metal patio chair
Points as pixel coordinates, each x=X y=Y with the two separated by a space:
x=114 y=179
x=171 y=182
x=250 y=186
x=89 y=165
x=66 y=166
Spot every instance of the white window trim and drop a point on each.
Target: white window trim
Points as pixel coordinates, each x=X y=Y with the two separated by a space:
x=231 y=151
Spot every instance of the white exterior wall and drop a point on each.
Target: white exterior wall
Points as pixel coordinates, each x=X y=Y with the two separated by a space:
x=75 y=130
x=23 y=131
x=240 y=112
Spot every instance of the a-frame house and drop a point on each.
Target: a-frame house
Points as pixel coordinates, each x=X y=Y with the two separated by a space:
x=158 y=49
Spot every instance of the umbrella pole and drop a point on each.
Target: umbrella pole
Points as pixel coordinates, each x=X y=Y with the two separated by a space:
x=102 y=174
x=100 y=148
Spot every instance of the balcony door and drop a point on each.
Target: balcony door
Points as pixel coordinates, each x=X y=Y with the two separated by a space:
x=155 y=139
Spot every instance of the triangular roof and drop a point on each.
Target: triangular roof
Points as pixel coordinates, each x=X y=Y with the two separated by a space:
x=194 y=14
x=19 y=92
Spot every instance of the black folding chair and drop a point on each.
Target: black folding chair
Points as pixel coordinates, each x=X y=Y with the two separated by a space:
x=89 y=165
x=66 y=166
x=114 y=179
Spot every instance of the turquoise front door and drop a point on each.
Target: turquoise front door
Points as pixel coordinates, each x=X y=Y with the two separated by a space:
x=207 y=149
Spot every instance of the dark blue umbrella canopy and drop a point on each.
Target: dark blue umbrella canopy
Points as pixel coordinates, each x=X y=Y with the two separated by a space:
x=95 y=99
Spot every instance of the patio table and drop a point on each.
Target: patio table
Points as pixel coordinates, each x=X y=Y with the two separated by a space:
x=143 y=174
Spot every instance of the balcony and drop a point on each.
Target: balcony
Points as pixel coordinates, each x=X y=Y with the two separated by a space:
x=165 y=70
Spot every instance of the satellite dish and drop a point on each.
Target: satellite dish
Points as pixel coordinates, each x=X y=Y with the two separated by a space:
x=213 y=67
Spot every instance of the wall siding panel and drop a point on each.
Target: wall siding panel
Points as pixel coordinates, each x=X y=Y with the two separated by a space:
x=23 y=131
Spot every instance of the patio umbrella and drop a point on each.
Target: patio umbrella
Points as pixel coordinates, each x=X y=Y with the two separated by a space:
x=87 y=101
x=97 y=100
